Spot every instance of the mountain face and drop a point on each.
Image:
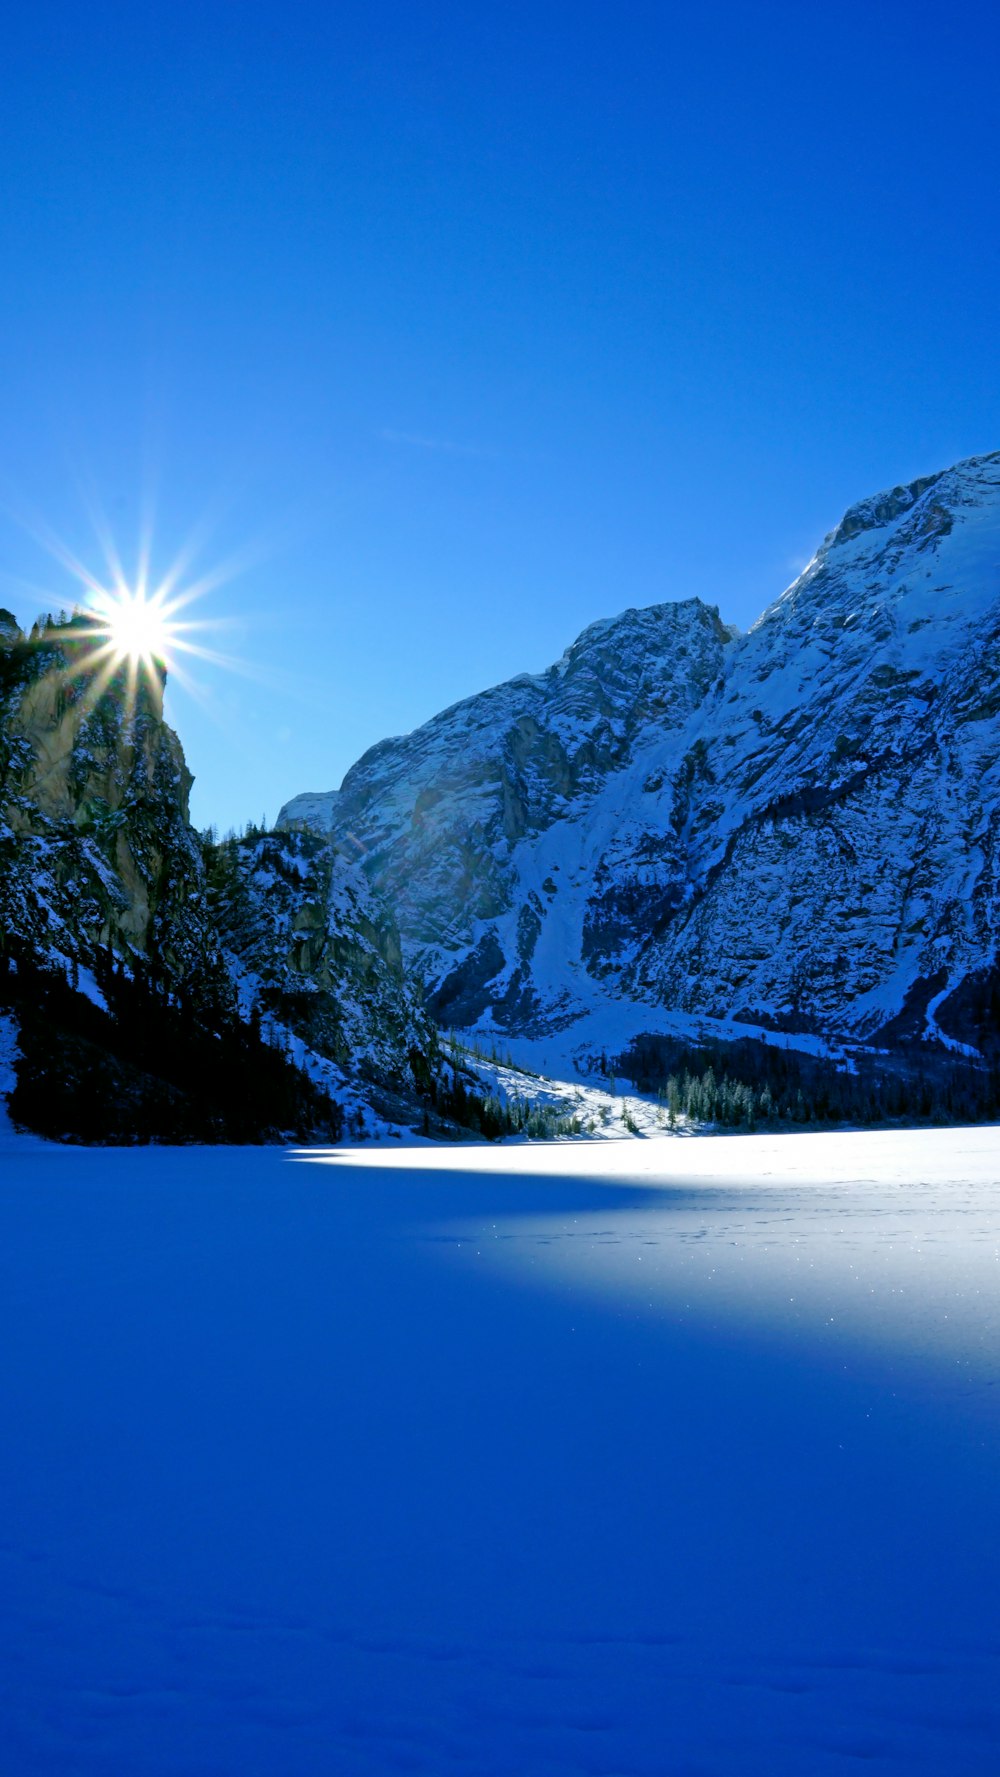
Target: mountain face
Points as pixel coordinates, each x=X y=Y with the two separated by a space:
x=480 y=827
x=307 y=943
x=795 y=829
x=96 y=849
x=163 y=985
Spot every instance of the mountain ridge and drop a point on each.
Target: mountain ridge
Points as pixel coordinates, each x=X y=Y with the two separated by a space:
x=156 y=983
x=641 y=841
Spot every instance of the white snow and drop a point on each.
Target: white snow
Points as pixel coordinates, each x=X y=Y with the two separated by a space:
x=573 y=1054
x=602 y=1113
x=934 y=1032
x=87 y=985
x=645 y=1458
x=794 y=827
x=8 y=1068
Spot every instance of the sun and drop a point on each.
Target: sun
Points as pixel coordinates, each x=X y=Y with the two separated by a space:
x=136 y=627
x=130 y=632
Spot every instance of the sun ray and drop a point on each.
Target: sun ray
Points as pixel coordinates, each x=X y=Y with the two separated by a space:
x=240 y=562
x=147 y=528
x=136 y=626
x=53 y=545
x=90 y=500
x=213 y=657
x=140 y=628
x=86 y=661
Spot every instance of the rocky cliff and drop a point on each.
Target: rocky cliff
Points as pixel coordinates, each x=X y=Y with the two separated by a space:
x=162 y=985
x=96 y=849
x=840 y=849
x=310 y=948
x=480 y=828
x=678 y=827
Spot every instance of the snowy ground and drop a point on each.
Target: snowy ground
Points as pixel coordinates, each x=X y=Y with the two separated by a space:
x=601 y=1114
x=648 y=1458
x=609 y=1027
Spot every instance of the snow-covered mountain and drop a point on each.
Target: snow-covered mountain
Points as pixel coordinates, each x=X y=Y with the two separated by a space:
x=479 y=828
x=156 y=983
x=679 y=827
x=309 y=947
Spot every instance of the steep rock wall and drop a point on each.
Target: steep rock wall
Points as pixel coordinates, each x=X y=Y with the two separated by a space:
x=794 y=828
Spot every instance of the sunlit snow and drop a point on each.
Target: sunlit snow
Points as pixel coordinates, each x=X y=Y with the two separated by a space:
x=620 y=1457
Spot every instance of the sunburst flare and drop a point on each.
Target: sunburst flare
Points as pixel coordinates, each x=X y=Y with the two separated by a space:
x=136 y=627
x=135 y=631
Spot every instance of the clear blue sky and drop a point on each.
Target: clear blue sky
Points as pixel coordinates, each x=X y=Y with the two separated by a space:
x=471 y=323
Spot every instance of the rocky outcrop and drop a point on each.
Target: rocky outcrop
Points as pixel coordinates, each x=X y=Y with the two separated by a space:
x=162 y=985
x=472 y=827
x=794 y=829
x=839 y=859
x=307 y=944
x=97 y=853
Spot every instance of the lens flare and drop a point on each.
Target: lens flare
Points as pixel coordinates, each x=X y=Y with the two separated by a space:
x=130 y=632
x=136 y=627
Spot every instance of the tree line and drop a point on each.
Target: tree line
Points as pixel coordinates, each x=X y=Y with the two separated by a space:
x=159 y=1064
x=751 y=1084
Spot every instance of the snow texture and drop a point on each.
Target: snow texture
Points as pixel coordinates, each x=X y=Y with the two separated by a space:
x=99 y=863
x=793 y=829
x=309 y=949
x=8 y=1068
x=644 y=1458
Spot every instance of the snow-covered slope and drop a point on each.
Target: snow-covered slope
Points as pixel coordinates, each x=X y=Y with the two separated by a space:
x=839 y=844
x=97 y=852
x=139 y=998
x=482 y=828
x=312 y=950
x=795 y=828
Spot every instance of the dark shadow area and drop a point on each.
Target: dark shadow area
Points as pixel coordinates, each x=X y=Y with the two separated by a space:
x=751 y=1084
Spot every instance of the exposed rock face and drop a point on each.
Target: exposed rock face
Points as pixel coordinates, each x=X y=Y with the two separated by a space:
x=307 y=942
x=96 y=848
x=840 y=854
x=797 y=827
x=105 y=897
x=456 y=823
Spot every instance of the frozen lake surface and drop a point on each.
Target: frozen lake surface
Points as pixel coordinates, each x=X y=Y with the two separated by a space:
x=639 y=1459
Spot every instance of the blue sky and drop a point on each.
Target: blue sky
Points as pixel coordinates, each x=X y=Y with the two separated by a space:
x=461 y=326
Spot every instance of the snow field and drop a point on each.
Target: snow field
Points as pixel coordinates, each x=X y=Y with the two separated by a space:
x=645 y=1458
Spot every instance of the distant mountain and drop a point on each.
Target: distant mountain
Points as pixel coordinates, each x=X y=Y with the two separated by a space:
x=678 y=827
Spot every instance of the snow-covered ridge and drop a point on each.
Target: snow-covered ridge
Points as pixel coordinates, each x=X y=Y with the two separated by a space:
x=794 y=829
x=149 y=974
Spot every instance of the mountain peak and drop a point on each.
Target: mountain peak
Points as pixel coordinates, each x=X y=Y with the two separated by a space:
x=695 y=824
x=965 y=483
